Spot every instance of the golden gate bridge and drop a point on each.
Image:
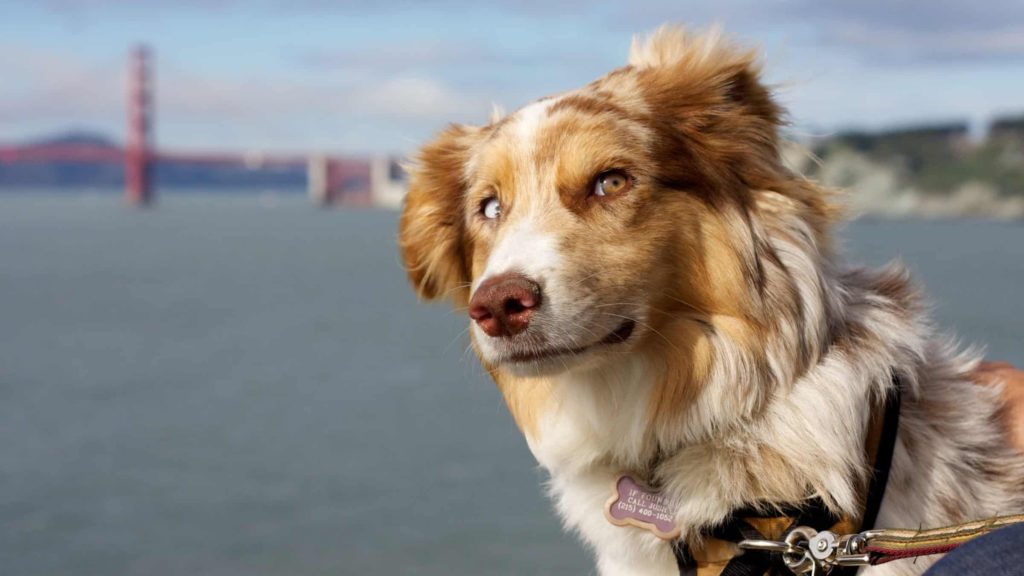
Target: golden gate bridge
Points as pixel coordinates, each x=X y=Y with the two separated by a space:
x=329 y=178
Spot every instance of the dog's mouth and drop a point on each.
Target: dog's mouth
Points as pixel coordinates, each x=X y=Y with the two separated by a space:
x=617 y=336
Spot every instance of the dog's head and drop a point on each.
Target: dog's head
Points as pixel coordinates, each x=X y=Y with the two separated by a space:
x=617 y=218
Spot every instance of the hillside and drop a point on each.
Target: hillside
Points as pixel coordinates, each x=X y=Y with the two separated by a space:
x=928 y=171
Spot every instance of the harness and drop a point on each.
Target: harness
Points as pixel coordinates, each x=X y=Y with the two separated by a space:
x=748 y=542
x=800 y=539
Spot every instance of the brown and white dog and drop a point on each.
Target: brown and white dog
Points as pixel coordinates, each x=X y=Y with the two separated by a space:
x=653 y=291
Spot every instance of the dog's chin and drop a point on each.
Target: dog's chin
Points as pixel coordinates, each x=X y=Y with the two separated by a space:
x=554 y=360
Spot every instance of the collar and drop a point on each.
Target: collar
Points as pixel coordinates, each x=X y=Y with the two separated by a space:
x=718 y=553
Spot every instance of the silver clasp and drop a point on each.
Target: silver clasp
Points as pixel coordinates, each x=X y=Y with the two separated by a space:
x=804 y=550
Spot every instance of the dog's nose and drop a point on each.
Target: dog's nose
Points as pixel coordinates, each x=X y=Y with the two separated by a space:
x=502 y=305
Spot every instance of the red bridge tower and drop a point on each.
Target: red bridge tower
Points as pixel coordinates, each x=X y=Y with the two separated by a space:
x=138 y=154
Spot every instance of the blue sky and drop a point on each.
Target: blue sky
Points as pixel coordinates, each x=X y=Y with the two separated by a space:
x=372 y=76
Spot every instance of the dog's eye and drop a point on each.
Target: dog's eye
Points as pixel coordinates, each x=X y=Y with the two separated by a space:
x=490 y=208
x=612 y=182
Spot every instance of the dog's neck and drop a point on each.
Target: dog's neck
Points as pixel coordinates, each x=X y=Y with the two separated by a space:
x=805 y=439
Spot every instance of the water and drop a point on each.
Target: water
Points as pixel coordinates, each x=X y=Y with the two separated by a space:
x=229 y=386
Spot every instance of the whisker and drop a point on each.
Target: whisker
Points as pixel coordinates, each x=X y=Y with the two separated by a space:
x=584 y=279
x=579 y=325
x=458 y=286
x=467 y=353
x=685 y=303
x=453 y=340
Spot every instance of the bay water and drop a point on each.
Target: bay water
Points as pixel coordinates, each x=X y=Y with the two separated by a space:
x=238 y=385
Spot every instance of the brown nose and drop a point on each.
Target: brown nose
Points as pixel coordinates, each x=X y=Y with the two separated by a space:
x=502 y=305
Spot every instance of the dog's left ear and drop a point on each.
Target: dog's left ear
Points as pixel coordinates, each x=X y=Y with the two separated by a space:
x=431 y=232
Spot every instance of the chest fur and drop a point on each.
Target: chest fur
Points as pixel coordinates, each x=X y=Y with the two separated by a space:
x=578 y=420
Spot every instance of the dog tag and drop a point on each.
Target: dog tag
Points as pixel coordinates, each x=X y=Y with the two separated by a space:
x=634 y=504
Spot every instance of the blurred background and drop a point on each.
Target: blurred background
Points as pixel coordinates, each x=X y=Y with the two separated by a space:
x=210 y=361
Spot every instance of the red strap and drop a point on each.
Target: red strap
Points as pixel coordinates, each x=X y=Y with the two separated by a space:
x=881 y=554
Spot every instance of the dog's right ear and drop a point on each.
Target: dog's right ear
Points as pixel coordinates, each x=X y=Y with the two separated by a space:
x=431 y=233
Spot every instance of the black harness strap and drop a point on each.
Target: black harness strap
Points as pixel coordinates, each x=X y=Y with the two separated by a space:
x=883 y=459
x=736 y=528
x=686 y=563
x=748 y=564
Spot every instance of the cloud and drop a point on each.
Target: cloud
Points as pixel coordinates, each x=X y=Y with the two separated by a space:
x=83 y=7
x=893 y=46
x=905 y=31
x=47 y=82
x=454 y=80
x=387 y=99
x=437 y=55
x=939 y=31
x=396 y=57
x=877 y=31
x=413 y=66
x=413 y=97
x=57 y=88
x=939 y=16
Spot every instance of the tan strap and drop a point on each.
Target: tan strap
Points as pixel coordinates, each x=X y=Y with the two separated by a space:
x=887 y=545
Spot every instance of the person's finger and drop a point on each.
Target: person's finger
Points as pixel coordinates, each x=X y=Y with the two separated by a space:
x=1012 y=381
x=994 y=367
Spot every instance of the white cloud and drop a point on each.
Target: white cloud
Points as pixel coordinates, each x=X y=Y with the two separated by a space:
x=56 y=89
x=58 y=85
x=852 y=60
x=413 y=97
x=941 y=46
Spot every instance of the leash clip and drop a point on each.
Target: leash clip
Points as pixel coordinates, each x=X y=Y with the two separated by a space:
x=851 y=550
x=831 y=550
x=804 y=550
x=795 y=549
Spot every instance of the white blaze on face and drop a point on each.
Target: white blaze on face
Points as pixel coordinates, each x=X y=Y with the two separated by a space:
x=526 y=250
x=522 y=245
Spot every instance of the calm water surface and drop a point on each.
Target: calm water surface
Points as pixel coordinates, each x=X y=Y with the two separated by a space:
x=230 y=386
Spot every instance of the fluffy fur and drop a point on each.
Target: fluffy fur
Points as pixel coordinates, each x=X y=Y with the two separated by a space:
x=757 y=355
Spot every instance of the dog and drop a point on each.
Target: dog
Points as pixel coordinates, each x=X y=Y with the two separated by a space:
x=655 y=293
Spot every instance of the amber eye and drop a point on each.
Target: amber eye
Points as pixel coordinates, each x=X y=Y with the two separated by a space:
x=612 y=182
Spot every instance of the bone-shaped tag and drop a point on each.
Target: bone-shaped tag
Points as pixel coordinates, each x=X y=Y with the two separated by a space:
x=634 y=504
